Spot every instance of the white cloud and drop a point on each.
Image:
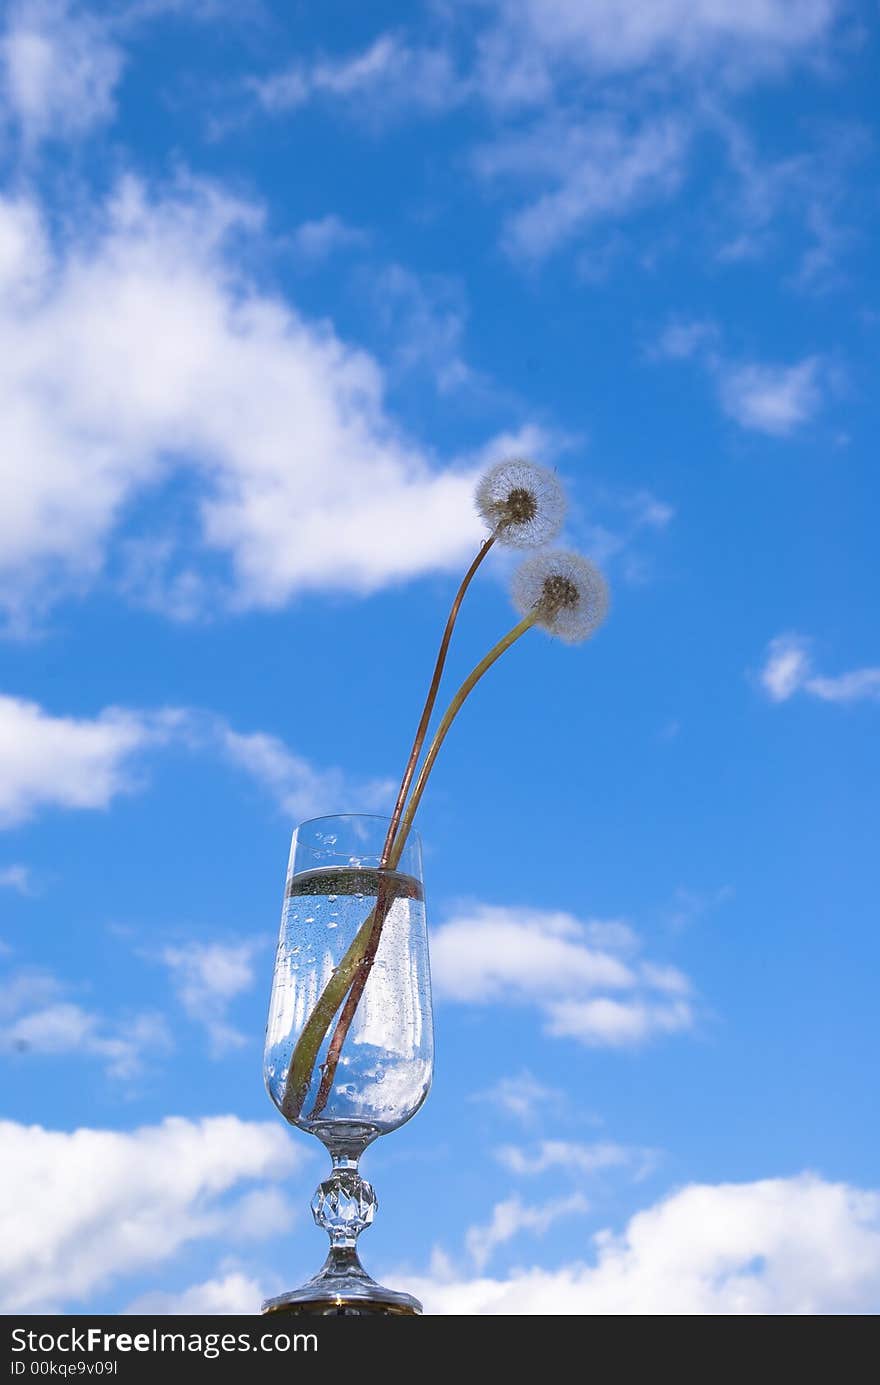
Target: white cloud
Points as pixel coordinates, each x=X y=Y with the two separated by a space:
x=780 y=1246
x=301 y=478
x=232 y=1295
x=423 y=318
x=522 y=1097
x=761 y=397
x=82 y=1209
x=573 y=1157
x=859 y=685
x=490 y=953
x=681 y=340
x=389 y=74
x=563 y=967
x=513 y=1216
x=691 y=906
x=49 y=761
x=37 y=1017
x=615 y=37
x=774 y=399
x=17 y=878
x=617 y=1023
x=807 y=187
x=207 y=977
x=320 y=238
x=301 y=790
x=59 y=68
x=598 y=168
x=526 y=51
x=788 y=669
x=67 y=1029
x=631 y=516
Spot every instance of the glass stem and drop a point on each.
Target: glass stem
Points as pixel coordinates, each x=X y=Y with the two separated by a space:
x=344 y=1205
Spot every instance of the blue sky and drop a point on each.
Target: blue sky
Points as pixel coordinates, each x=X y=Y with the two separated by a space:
x=276 y=283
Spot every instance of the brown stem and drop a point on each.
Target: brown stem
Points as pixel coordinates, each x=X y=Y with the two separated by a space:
x=363 y=971
x=372 y=945
x=419 y=740
x=384 y=900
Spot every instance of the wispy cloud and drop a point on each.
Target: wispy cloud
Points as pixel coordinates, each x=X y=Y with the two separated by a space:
x=232 y=1293
x=788 y=669
x=543 y=41
x=300 y=789
x=598 y=169
x=316 y=240
x=612 y=527
x=511 y=1217
x=681 y=340
x=522 y=1097
x=389 y=75
x=524 y=52
x=587 y=980
x=60 y=65
x=50 y=762
x=794 y=204
x=692 y=906
x=574 y=1158
x=422 y=318
x=533 y=59
x=774 y=398
x=37 y=1017
x=207 y=977
x=18 y=878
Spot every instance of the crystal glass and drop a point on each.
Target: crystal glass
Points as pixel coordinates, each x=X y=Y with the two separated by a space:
x=386 y=1062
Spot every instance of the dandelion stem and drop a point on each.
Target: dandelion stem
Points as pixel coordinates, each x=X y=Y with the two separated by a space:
x=419 y=740
x=448 y=717
x=309 y=1042
x=374 y=924
x=305 y=1054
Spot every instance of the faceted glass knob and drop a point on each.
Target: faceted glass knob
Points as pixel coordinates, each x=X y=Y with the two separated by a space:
x=344 y=1205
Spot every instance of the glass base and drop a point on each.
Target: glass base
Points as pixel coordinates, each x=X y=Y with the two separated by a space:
x=342 y=1287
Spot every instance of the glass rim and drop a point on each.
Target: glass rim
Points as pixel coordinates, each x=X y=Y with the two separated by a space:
x=412 y=835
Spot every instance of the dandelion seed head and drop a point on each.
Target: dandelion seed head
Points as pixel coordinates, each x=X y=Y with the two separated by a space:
x=568 y=591
x=522 y=503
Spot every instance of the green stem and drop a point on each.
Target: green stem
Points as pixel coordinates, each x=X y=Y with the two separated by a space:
x=361 y=968
x=305 y=1054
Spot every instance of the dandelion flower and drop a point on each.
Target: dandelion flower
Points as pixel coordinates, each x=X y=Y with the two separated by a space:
x=522 y=503
x=568 y=591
